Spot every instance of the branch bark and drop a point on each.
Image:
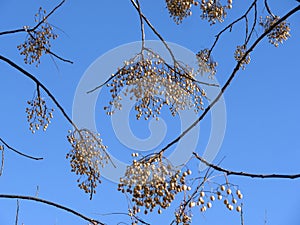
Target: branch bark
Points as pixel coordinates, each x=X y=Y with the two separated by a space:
x=245 y=174
x=56 y=205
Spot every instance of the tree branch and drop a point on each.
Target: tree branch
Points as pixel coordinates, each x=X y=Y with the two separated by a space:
x=245 y=174
x=34 y=79
x=226 y=85
x=18 y=152
x=36 y=26
x=56 y=205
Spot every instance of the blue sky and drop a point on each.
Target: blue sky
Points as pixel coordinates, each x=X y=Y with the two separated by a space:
x=262 y=131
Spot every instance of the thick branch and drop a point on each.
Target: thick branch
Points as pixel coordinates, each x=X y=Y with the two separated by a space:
x=245 y=174
x=226 y=85
x=18 y=152
x=30 y=198
x=34 y=79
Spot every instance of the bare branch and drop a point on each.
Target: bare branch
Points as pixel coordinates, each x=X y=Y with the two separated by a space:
x=34 y=79
x=17 y=212
x=245 y=174
x=226 y=85
x=18 y=152
x=154 y=30
x=56 y=205
x=231 y=24
x=2 y=160
x=142 y=23
x=36 y=26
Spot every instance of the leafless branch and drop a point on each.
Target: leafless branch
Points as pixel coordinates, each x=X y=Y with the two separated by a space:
x=235 y=70
x=17 y=212
x=268 y=8
x=154 y=30
x=126 y=214
x=34 y=79
x=231 y=25
x=2 y=160
x=36 y=26
x=245 y=174
x=142 y=23
x=18 y=152
x=56 y=205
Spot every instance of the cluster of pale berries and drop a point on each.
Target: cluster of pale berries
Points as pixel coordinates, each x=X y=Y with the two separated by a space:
x=38 y=40
x=152 y=182
x=87 y=154
x=205 y=201
x=280 y=33
x=239 y=54
x=212 y=10
x=38 y=115
x=152 y=83
x=206 y=63
x=180 y=9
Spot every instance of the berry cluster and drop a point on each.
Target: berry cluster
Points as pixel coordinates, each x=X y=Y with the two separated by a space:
x=205 y=199
x=180 y=9
x=280 y=33
x=153 y=83
x=206 y=63
x=239 y=54
x=38 y=115
x=152 y=182
x=213 y=10
x=38 y=40
x=87 y=154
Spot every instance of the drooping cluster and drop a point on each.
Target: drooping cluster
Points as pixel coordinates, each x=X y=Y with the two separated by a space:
x=206 y=63
x=213 y=10
x=88 y=154
x=227 y=193
x=280 y=33
x=38 y=114
x=153 y=183
x=239 y=54
x=38 y=40
x=180 y=9
x=153 y=83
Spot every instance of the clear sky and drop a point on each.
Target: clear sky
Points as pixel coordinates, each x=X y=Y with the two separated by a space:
x=262 y=109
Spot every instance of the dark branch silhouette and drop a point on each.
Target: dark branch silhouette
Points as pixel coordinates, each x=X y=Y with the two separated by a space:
x=245 y=174
x=56 y=205
x=18 y=152
x=235 y=70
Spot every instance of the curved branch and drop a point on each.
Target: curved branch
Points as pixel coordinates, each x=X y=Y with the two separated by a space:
x=34 y=79
x=18 y=152
x=56 y=205
x=226 y=85
x=245 y=174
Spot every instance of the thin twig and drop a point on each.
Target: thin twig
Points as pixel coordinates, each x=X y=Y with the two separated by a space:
x=230 y=25
x=56 y=205
x=142 y=24
x=2 y=160
x=126 y=214
x=226 y=85
x=18 y=152
x=245 y=174
x=268 y=9
x=36 y=26
x=17 y=212
x=155 y=31
x=242 y=215
x=59 y=57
